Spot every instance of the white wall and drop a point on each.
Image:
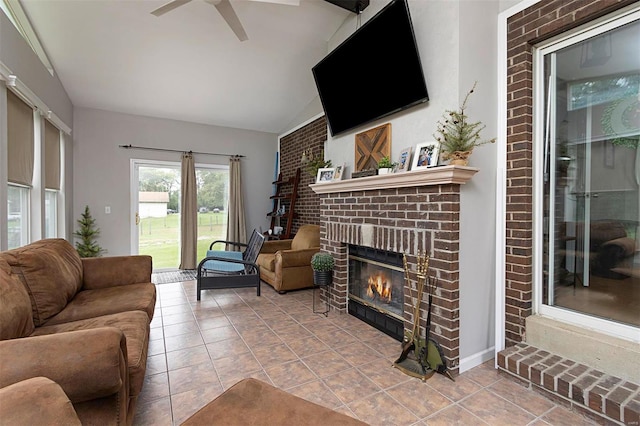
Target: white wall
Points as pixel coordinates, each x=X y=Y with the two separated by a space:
x=17 y=58
x=102 y=169
x=457 y=42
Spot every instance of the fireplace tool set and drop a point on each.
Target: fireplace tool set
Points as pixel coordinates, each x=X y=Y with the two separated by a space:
x=421 y=358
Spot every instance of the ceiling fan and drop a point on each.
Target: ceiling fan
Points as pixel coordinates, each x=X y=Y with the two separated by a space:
x=225 y=9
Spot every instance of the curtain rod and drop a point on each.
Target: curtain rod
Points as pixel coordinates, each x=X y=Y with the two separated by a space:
x=177 y=150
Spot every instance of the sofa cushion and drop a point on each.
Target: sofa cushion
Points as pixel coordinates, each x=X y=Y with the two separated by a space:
x=134 y=326
x=16 y=319
x=308 y=236
x=267 y=261
x=107 y=301
x=51 y=271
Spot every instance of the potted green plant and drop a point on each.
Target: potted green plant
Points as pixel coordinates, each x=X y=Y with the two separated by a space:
x=385 y=165
x=322 y=264
x=457 y=136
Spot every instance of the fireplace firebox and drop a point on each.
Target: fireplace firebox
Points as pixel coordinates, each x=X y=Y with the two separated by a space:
x=376 y=289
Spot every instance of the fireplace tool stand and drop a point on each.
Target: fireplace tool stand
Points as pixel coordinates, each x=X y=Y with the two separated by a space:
x=408 y=362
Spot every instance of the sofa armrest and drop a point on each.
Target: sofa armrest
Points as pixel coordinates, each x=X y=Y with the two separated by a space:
x=102 y=272
x=273 y=246
x=291 y=258
x=87 y=364
x=36 y=401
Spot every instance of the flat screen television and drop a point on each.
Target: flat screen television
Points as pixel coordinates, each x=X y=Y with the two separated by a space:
x=374 y=73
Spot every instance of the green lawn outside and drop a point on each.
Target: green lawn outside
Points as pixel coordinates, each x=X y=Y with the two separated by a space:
x=159 y=237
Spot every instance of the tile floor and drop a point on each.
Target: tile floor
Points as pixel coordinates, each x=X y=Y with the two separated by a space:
x=199 y=349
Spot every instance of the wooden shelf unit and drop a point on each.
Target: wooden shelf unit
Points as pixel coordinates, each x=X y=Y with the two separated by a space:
x=285 y=197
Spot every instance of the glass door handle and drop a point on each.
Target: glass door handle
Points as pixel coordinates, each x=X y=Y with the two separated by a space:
x=137 y=218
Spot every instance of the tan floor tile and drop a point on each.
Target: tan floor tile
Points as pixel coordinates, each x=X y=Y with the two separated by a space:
x=351 y=385
x=226 y=348
x=192 y=377
x=290 y=330
x=154 y=387
x=457 y=390
x=336 y=338
x=266 y=338
x=271 y=355
x=290 y=374
x=307 y=346
x=176 y=309
x=213 y=322
x=317 y=392
x=156 y=333
x=484 y=374
x=380 y=409
x=155 y=347
x=231 y=378
x=522 y=397
x=453 y=416
x=183 y=341
x=187 y=357
x=420 y=398
x=383 y=374
x=387 y=346
x=358 y=353
x=156 y=364
x=182 y=328
x=154 y=413
x=220 y=333
x=560 y=416
x=495 y=410
x=186 y=404
x=241 y=364
x=326 y=363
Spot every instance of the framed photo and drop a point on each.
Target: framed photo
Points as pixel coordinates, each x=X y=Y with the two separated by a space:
x=426 y=155
x=404 y=160
x=325 y=174
x=339 y=172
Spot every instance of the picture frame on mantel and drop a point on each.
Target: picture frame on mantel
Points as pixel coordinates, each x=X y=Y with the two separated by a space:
x=325 y=174
x=371 y=146
x=426 y=155
x=404 y=160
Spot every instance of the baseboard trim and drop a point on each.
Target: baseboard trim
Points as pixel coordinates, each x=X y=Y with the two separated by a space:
x=467 y=363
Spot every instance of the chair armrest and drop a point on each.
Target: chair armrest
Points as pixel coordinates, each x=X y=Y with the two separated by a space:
x=226 y=243
x=103 y=272
x=37 y=401
x=290 y=258
x=87 y=364
x=273 y=246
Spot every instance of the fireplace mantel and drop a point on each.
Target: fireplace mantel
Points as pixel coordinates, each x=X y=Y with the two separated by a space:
x=432 y=176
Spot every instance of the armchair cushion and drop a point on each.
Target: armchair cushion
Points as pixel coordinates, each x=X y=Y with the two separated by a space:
x=16 y=319
x=308 y=236
x=267 y=261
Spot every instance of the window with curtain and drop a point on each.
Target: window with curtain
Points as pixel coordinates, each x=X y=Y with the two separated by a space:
x=20 y=149
x=52 y=179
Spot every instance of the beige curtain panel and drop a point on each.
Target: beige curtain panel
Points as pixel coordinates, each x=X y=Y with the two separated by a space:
x=51 y=156
x=20 y=140
x=188 y=214
x=236 y=225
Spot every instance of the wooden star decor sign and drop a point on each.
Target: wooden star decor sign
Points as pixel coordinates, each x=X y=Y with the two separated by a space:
x=371 y=145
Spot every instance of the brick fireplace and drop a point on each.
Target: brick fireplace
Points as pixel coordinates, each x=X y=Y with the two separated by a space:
x=407 y=213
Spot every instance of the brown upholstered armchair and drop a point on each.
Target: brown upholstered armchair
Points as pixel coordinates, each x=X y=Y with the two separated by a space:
x=286 y=264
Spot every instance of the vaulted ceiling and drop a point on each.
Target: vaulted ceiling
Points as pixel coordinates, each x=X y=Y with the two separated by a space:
x=187 y=64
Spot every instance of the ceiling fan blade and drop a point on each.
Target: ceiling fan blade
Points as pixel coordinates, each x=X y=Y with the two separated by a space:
x=229 y=15
x=169 y=7
x=286 y=2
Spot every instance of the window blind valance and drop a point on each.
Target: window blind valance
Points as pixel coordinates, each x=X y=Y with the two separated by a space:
x=52 y=156
x=20 y=140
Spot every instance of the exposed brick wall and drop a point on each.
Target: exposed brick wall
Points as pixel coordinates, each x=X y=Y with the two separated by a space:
x=404 y=220
x=532 y=25
x=310 y=137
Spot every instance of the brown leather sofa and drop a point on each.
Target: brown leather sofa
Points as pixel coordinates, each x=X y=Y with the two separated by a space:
x=286 y=264
x=83 y=323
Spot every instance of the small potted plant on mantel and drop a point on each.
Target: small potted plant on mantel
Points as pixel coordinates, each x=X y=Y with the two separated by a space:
x=385 y=165
x=457 y=136
x=322 y=264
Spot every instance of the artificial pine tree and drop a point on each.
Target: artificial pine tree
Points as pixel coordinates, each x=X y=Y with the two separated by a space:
x=88 y=247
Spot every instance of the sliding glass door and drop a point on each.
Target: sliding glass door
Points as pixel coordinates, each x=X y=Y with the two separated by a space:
x=588 y=97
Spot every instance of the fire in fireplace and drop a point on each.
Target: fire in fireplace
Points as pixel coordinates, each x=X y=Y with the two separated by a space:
x=376 y=288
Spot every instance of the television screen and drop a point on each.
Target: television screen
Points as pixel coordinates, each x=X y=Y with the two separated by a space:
x=372 y=74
